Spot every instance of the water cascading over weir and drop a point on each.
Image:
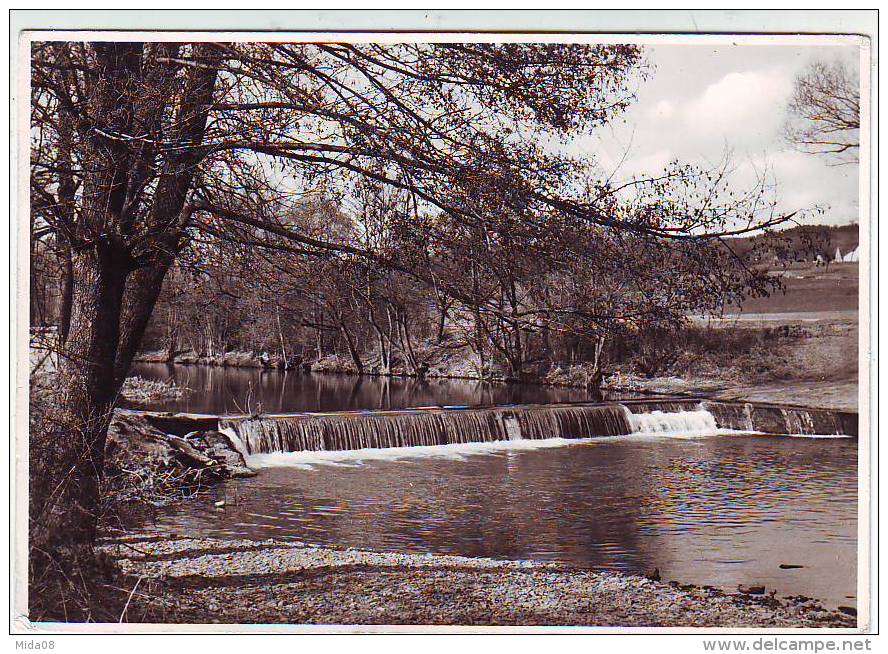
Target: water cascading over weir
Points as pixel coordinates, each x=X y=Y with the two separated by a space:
x=435 y=426
x=426 y=427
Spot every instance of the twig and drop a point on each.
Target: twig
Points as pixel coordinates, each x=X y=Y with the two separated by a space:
x=126 y=606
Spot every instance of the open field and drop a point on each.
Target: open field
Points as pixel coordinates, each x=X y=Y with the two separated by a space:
x=821 y=303
x=810 y=289
x=806 y=351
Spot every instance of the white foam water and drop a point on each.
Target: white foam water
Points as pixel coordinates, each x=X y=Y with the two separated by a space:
x=235 y=441
x=307 y=460
x=682 y=424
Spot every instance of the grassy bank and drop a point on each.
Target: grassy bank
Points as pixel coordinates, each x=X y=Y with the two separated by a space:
x=806 y=363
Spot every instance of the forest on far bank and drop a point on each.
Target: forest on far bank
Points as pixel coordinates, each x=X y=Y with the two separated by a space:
x=343 y=314
x=801 y=243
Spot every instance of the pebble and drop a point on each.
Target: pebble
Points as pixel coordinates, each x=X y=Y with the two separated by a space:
x=285 y=582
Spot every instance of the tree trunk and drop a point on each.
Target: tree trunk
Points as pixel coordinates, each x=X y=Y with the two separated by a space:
x=36 y=304
x=285 y=364
x=142 y=290
x=352 y=349
x=479 y=333
x=172 y=335
x=411 y=359
x=442 y=322
x=516 y=365
x=67 y=292
x=65 y=505
x=67 y=216
x=385 y=358
x=169 y=214
x=593 y=386
x=106 y=330
x=443 y=305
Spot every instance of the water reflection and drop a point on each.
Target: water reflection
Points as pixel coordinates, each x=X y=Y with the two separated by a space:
x=720 y=511
x=239 y=390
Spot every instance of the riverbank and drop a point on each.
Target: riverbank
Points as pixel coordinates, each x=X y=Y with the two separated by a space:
x=839 y=395
x=139 y=392
x=789 y=359
x=277 y=582
x=811 y=362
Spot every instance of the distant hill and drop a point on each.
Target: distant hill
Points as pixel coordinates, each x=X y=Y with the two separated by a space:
x=800 y=243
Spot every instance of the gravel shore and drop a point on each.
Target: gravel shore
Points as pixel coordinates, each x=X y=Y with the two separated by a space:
x=278 y=582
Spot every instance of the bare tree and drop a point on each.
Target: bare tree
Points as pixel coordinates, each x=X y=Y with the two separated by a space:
x=824 y=111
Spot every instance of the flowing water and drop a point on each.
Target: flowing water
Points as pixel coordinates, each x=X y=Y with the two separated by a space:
x=719 y=509
x=427 y=427
x=220 y=390
x=424 y=427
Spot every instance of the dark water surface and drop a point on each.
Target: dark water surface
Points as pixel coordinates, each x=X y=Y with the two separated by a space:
x=721 y=510
x=242 y=390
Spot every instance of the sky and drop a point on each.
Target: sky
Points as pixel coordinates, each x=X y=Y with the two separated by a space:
x=702 y=100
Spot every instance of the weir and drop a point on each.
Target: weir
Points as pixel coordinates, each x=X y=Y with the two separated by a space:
x=775 y=419
x=426 y=427
x=445 y=426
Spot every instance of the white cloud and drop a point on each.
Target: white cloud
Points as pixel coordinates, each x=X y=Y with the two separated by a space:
x=663 y=110
x=782 y=166
x=790 y=163
x=800 y=199
x=702 y=103
x=648 y=164
x=741 y=105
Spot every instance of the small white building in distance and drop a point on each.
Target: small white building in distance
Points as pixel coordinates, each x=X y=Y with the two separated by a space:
x=851 y=257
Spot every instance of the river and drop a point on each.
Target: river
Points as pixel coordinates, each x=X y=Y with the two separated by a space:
x=221 y=390
x=720 y=511
x=710 y=509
